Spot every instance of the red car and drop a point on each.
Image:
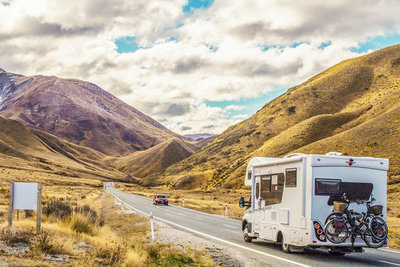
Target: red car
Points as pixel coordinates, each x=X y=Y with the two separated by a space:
x=160 y=199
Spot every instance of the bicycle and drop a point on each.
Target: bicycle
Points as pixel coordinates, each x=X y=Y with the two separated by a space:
x=344 y=223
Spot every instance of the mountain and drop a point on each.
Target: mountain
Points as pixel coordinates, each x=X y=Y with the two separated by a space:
x=198 y=137
x=352 y=107
x=31 y=151
x=79 y=112
x=143 y=163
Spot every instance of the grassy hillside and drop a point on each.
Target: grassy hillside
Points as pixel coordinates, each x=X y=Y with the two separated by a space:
x=155 y=159
x=352 y=107
x=32 y=153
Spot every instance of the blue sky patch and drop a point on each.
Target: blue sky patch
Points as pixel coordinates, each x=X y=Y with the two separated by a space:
x=325 y=44
x=251 y=105
x=378 y=42
x=126 y=44
x=5 y=3
x=296 y=44
x=195 y=4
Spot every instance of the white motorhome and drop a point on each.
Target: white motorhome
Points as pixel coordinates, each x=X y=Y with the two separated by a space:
x=291 y=195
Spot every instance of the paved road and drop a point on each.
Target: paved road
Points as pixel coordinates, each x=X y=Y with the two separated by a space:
x=229 y=232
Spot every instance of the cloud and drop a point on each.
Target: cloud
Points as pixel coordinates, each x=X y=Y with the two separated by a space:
x=226 y=51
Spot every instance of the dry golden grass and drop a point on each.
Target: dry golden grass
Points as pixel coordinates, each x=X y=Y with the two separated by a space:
x=123 y=240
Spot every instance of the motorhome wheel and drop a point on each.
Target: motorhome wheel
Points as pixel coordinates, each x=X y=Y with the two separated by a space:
x=285 y=246
x=246 y=236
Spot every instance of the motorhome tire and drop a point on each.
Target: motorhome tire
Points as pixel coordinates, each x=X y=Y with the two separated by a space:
x=285 y=246
x=246 y=236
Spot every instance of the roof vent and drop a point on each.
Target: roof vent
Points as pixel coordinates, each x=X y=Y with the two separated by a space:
x=333 y=154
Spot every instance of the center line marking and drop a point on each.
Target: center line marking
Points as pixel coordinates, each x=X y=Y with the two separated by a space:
x=230 y=226
x=216 y=238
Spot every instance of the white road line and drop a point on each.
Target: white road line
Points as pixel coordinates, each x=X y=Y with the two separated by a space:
x=389 y=250
x=388 y=262
x=230 y=226
x=216 y=238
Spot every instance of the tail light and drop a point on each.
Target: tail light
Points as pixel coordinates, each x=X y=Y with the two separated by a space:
x=319 y=233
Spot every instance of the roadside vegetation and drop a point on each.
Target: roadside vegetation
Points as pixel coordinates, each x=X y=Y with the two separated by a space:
x=85 y=228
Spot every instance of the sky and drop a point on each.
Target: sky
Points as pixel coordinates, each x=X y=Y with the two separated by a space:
x=194 y=65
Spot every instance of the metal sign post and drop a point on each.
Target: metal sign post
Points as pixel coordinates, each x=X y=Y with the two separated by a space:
x=25 y=196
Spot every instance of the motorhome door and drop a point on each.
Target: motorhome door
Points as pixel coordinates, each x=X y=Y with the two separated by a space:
x=257 y=204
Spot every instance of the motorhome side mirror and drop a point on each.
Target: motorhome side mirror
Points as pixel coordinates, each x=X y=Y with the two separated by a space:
x=241 y=202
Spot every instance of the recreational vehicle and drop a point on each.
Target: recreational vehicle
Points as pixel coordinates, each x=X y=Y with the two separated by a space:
x=292 y=197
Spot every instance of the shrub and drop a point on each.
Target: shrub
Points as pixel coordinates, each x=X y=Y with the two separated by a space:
x=111 y=253
x=86 y=210
x=292 y=110
x=28 y=213
x=82 y=224
x=12 y=238
x=58 y=209
x=135 y=258
x=43 y=244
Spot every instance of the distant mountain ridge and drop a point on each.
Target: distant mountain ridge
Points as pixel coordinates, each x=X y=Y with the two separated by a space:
x=197 y=137
x=352 y=107
x=79 y=112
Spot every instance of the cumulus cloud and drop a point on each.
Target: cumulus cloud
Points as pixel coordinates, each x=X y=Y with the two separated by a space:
x=229 y=51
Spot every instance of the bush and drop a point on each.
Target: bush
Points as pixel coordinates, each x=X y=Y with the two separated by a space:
x=12 y=238
x=43 y=243
x=82 y=224
x=86 y=210
x=58 y=209
x=112 y=253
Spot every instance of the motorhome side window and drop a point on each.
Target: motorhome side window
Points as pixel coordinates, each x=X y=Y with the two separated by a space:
x=291 y=178
x=272 y=188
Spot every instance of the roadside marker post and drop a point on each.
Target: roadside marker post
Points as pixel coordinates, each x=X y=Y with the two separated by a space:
x=226 y=209
x=183 y=202
x=152 y=226
x=122 y=207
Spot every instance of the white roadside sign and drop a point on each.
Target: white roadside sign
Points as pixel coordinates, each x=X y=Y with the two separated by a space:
x=25 y=196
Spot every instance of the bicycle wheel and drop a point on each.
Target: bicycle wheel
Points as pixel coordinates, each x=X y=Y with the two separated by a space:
x=371 y=241
x=332 y=216
x=378 y=228
x=334 y=234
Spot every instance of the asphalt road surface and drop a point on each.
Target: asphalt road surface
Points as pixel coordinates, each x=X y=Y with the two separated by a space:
x=228 y=232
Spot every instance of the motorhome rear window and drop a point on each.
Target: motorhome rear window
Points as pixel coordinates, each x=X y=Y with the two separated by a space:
x=291 y=178
x=327 y=187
